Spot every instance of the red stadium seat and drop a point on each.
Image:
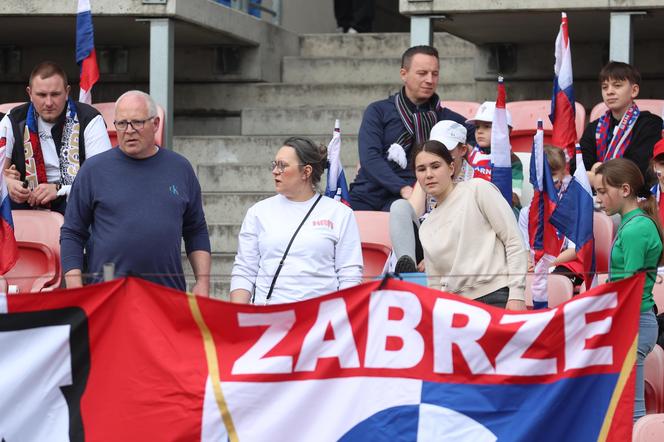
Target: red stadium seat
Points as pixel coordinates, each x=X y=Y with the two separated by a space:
x=374 y=227
x=374 y=257
x=649 y=428
x=39 y=232
x=524 y=122
x=658 y=294
x=654 y=380
x=654 y=106
x=603 y=231
x=465 y=108
x=559 y=289
x=6 y=107
x=37 y=268
x=107 y=110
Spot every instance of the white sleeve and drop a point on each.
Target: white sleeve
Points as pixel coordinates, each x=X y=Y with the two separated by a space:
x=247 y=260
x=348 y=253
x=7 y=133
x=96 y=137
x=523 y=224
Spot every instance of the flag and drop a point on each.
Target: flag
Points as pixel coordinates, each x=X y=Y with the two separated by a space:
x=563 y=112
x=573 y=217
x=544 y=240
x=86 y=57
x=133 y=361
x=501 y=151
x=8 y=246
x=336 y=187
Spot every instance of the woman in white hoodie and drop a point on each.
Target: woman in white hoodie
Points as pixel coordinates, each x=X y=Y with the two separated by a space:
x=471 y=241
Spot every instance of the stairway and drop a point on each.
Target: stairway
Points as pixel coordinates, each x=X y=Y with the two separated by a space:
x=335 y=76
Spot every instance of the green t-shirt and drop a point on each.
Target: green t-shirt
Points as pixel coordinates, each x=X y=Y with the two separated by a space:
x=637 y=246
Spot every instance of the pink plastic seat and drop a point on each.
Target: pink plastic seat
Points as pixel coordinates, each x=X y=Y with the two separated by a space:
x=649 y=428
x=374 y=257
x=465 y=108
x=654 y=380
x=6 y=107
x=374 y=227
x=603 y=232
x=654 y=106
x=524 y=122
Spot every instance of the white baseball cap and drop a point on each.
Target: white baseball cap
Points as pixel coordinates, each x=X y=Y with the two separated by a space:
x=485 y=113
x=449 y=132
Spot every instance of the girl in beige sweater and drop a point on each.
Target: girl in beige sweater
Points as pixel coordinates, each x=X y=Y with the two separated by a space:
x=471 y=241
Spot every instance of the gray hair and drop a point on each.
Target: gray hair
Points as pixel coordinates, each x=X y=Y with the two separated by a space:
x=152 y=106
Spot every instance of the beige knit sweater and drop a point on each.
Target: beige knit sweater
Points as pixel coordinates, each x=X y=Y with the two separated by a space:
x=472 y=245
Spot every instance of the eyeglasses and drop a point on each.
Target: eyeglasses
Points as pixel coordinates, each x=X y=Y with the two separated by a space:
x=280 y=165
x=137 y=125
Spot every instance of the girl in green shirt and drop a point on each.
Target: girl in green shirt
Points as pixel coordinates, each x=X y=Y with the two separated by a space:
x=638 y=245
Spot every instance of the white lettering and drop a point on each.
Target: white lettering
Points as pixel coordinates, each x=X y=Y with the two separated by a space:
x=381 y=327
x=254 y=360
x=445 y=335
x=342 y=347
x=578 y=331
x=510 y=360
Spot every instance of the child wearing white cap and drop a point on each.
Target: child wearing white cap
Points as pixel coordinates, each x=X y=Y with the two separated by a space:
x=480 y=156
x=406 y=215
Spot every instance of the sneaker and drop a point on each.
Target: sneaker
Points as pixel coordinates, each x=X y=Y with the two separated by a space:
x=351 y=31
x=405 y=264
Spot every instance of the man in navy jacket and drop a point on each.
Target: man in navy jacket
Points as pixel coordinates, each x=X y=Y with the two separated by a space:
x=393 y=126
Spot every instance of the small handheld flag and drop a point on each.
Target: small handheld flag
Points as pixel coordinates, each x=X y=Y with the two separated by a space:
x=86 y=57
x=501 y=174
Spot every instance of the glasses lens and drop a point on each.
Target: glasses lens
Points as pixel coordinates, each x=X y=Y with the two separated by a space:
x=137 y=124
x=121 y=125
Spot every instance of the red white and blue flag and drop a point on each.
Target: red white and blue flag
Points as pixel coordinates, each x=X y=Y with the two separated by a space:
x=382 y=361
x=501 y=150
x=8 y=247
x=544 y=240
x=573 y=217
x=563 y=112
x=86 y=57
x=336 y=187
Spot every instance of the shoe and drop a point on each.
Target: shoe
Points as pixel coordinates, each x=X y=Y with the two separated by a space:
x=340 y=30
x=351 y=31
x=405 y=264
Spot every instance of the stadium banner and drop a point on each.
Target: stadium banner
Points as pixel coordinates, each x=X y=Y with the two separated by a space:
x=387 y=360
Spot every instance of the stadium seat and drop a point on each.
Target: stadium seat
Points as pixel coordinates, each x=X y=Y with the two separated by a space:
x=465 y=108
x=658 y=294
x=603 y=231
x=654 y=106
x=37 y=268
x=649 y=428
x=654 y=380
x=374 y=227
x=374 y=257
x=6 y=107
x=559 y=288
x=39 y=227
x=524 y=119
x=107 y=110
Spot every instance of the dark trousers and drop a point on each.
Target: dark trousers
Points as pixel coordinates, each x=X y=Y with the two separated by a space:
x=497 y=298
x=356 y=14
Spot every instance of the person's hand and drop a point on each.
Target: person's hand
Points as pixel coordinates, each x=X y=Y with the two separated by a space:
x=406 y=192
x=42 y=194
x=420 y=267
x=12 y=173
x=17 y=192
x=592 y=173
x=201 y=288
x=516 y=304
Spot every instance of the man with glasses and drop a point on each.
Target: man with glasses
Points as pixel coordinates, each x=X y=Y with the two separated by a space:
x=47 y=140
x=133 y=205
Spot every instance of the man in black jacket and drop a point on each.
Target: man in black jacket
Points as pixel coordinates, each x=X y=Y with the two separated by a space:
x=47 y=141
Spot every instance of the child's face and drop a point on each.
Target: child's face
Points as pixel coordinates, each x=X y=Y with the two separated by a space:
x=483 y=134
x=558 y=177
x=658 y=168
x=618 y=95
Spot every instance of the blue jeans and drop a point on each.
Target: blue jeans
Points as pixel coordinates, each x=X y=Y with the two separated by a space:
x=647 y=339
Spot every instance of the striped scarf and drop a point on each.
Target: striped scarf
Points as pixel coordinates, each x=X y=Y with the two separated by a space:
x=481 y=163
x=608 y=146
x=35 y=167
x=418 y=124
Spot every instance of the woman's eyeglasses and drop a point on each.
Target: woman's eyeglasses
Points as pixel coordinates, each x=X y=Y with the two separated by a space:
x=280 y=165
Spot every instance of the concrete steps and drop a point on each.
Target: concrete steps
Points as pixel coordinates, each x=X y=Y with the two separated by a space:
x=309 y=120
x=389 y=45
x=230 y=207
x=360 y=70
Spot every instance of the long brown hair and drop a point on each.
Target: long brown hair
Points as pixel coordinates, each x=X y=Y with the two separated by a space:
x=619 y=171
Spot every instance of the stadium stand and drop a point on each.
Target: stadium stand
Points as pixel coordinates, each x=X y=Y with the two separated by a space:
x=6 y=107
x=524 y=119
x=374 y=257
x=649 y=428
x=376 y=244
x=653 y=106
x=465 y=108
x=603 y=230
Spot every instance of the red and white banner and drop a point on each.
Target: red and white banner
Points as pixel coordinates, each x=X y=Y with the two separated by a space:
x=132 y=361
